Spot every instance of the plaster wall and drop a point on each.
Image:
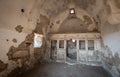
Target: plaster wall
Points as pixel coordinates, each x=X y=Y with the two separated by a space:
x=111 y=51
x=17 y=19
x=12 y=15
x=111 y=48
x=6 y=37
x=112 y=41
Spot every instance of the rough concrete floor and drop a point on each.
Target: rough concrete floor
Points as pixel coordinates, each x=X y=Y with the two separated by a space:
x=65 y=70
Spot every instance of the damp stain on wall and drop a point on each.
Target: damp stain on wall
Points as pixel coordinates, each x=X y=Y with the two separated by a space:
x=58 y=22
x=19 y=28
x=14 y=40
x=87 y=20
x=7 y=40
x=45 y=21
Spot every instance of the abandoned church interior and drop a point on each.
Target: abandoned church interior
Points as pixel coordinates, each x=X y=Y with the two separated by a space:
x=59 y=38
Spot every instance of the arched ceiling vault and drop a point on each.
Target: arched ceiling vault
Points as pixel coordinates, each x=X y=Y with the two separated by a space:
x=101 y=11
x=80 y=13
x=57 y=10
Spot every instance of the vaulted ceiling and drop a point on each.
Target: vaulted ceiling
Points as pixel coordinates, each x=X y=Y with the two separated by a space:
x=11 y=15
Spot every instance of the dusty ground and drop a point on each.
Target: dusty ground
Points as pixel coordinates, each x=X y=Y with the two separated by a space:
x=65 y=70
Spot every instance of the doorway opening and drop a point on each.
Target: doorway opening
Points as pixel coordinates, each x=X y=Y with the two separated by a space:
x=53 y=54
x=71 y=50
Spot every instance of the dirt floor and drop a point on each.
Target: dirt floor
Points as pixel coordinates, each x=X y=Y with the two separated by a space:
x=65 y=70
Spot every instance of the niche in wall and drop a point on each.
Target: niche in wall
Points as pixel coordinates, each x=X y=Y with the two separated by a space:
x=38 y=38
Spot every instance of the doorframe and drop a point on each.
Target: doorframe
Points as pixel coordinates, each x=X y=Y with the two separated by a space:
x=77 y=48
x=64 y=49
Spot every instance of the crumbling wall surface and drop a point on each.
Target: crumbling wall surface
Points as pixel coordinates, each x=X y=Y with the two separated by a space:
x=17 y=20
x=16 y=53
x=110 y=32
x=6 y=41
x=111 y=61
x=3 y=66
x=19 y=53
x=42 y=54
x=111 y=50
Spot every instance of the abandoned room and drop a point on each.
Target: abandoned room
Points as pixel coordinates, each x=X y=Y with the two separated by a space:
x=59 y=38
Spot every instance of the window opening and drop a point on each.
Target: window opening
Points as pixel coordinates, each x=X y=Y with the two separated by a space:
x=37 y=40
x=82 y=44
x=90 y=44
x=61 y=44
